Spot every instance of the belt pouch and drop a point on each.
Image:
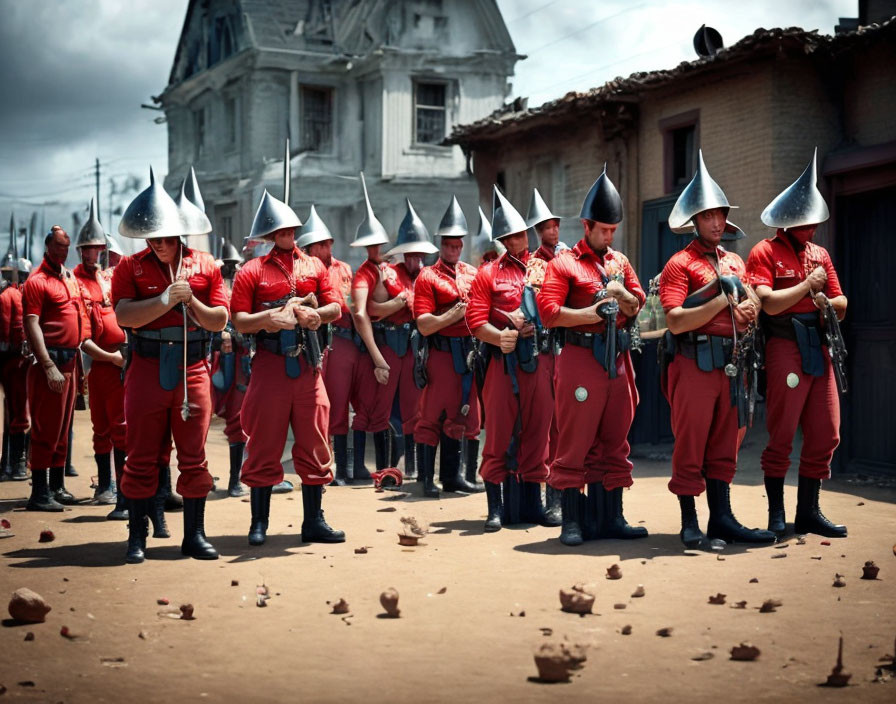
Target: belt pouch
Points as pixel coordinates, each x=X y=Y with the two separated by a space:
x=288 y=344
x=718 y=352
x=809 y=344
x=525 y=353
x=703 y=353
x=171 y=357
x=457 y=355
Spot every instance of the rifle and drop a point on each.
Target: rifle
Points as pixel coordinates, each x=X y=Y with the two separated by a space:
x=836 y=344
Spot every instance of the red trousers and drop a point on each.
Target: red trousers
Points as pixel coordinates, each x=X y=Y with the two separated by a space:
x=593 y=432
x=229 y=403
x=440 y=403
x=51 y=414
x=342 y=381
x=13 y=375
x=401 y=381
x=704 y=424
x=501 y=411
x=273 y=404
x=106 y=407
x=550 y=361
x=371 y=405
x=813 y=405
x=150 y=412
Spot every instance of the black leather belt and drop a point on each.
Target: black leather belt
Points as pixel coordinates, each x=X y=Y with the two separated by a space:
x=197 y=350
x=171 y=334
x=62 y=355
x=442 y=342
x=581 y=339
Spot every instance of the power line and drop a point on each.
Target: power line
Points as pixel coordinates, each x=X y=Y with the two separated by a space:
x=586 y=27
x=532 y=12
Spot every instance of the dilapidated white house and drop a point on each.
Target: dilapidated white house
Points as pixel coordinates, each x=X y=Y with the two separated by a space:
x=372 y=85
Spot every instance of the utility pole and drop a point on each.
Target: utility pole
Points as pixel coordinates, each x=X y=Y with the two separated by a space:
x=97 y=173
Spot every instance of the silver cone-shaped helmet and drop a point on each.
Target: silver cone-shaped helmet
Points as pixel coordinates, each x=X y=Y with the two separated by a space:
x=191 y=190
x=454 y=222
x=801 y=203
x=413 y=237
x=113 y=245
x=602 y=203
x=10 y=261
x=229 y=255
x=314 y=230
x=196 y=224
x=92 y=233
x=272 y=215
x=505 y=218
x=702 y=193
x=371 y=230
x=482 y=242
x=25 y=265
x=152 y=214
x=539 y=210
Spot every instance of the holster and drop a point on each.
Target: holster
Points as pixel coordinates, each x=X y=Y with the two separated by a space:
x=420 y=350
x=397 y=337
x=665 y=352
x=808 y=340
x=526 y=354
x=709 y=351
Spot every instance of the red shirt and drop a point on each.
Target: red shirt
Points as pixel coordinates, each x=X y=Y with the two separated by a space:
x=690 y=270
x=96 y=290
x=341 y=282
x=262 y=280
x=143 y=276
x=56 y=300
x=396 y=280
x=544 y=252
x=775 y=263
x=573 y=279
x=12 y=330
x=497 y=287
x=438 y=287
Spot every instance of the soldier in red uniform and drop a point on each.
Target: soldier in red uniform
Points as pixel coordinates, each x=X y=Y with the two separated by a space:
x=449 y=405
x=341 y=362
x=594 y=293
x=706 y=306
x=283 y=298
x=104 y=385
x=795 y=279
x=13 y=366
x=517 y=385
x=56 y=324
x=171 y=297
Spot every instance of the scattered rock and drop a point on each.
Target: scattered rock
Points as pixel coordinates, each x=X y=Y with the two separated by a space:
x=261 y=601
x=825 y=542
x=143 y=635
x=162 y=602
x=719 y=598
x=781 y=546
x=46 y=536
x=719 y=558
x=861 y=503
x=234 y=582
x=801 y=540
x=28 y=606
x=769 y=606
x=113 y=662
x=664 y=632
x=839 y=581
x=413 y=527
x=745 y=652
x=556 y=661
x=547 y=631
x=888 y=662
x=442 y=590
x=619 y=606
x=639 y=591
x=67 y=632
x=739 y=605
x=816 y=557
x=405 y=539
x=521 y=613
x=340 y=607
x=361 y=550
x=626 y=630
x=26 y=683
x=838 y=678
x=389 y=600
x=870 y=570
x=779 y=554
x=754 y=580
x=614 y=572
x=186 y=612
x=388 y=509
x=380 y=530
x=577 y=600
x=706 y=655
x=29 y=635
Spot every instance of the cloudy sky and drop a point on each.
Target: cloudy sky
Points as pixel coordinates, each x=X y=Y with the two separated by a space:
x=76 y=71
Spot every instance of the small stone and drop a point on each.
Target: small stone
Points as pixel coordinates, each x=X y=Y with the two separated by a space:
x=745 y=652
x=707 y=655
x=719 y=599
x=754 y=580
x=65 y=632
x=143 y=635
x=261 y=601
x=555 y=661
x=614 y=572
x=576 y=600
x=639 y=591
x=442 y=590
x=825 y=542
x=720 y=558
x=816 y=557
x=234 y=582
x=861 y=503
x=779 y=554
x=769 y=606
x=626 y=630
x=28 y=606
x=186 y=612
x=29 y=635
x=388 y=509
x=46 y=536
x=361 y=550
x=619 y=606
x=739 y=605
x=664 y=632
x=801 y=540
x=839 y=581
x=340 y=607
x=389 y=601
x=162 y=602
x=870 y=570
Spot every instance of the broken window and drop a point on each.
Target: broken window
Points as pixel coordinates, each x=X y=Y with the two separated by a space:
x=220 y=42
x=430 y=107
x=680 y=141
x=317 y=118
x=200 y=132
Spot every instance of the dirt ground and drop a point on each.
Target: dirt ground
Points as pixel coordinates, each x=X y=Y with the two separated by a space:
x=474 y=607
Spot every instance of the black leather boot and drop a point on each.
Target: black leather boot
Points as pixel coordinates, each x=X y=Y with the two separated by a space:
x=396 y=446
x=104 y=493
x=449 y=468
x=614 y=524
x=691 y=535
x=571 y=506
x=513 y=500
x=234 y=488
x=314 y=527
x=195 y=543
x=471 y=460
x=156 y=509
x=410 y=456
x=592 y=511
x=137 y=530
x=381 y=449
x=495 y=507
x=809 y=518
x=532 y=507
x=57 y=487
x=552 y=509
x=360 y=475
x=41 y=498
x=722 y=523
x=18 y=456
x=70 y=470
x=774 y=490
x=173 y=500
x=120 y=512
x=340 y=459
x=260 y=501
x=427 y=469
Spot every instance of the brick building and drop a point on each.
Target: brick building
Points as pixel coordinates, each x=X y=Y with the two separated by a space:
x=757 y=109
